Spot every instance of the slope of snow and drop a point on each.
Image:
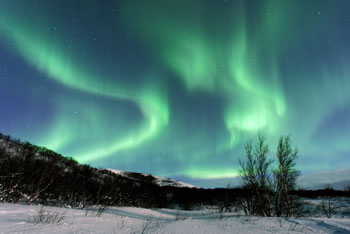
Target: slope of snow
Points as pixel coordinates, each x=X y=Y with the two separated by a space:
x=319 y=180
x=161 y=181
x=127 y=220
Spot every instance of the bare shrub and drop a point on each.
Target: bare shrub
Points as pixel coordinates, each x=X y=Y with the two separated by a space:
x=224 y=206
x=150 y=223
x=101 y=209
x=48 y=215
x=296 y=227
x=328 y=207
x=158 y=223
x=89 y=211
x=146 y=223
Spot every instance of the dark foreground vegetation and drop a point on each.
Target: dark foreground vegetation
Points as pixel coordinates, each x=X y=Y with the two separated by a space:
x=33 y=175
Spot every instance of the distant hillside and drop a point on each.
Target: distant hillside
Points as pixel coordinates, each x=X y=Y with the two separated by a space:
x=161 y=181
x=338 y=179
x=36 y=174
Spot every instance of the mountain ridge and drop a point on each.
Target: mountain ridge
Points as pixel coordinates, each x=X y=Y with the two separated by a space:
x=159 y=180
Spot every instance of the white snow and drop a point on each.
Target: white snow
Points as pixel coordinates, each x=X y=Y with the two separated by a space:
x=14 y=218
x=161 y=181
x=338 y=179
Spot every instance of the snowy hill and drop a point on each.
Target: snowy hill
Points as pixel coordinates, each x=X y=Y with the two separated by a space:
x=14 y=148
x=338 y=179
x=36 y=174
x=158 y=180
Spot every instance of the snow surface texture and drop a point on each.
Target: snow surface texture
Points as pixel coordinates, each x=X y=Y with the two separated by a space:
x=15 y=218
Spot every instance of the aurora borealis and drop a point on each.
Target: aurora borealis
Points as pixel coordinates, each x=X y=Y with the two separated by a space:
x=175 y=88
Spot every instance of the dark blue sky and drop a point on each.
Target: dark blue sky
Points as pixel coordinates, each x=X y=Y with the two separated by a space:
x=175 y=88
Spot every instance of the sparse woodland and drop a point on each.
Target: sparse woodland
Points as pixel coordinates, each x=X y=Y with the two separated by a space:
x=270 y=189
x=35 y=175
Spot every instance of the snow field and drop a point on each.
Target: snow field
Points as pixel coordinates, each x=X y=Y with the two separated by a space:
x=15 y=218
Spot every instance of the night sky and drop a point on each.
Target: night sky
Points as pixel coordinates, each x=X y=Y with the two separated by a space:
x=176 y=87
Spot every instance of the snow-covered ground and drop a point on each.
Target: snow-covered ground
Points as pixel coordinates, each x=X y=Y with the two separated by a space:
x=15 y=218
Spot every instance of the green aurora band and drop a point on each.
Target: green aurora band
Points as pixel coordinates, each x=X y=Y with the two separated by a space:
x=49 y=57
x=204 y=78
x=222 y=62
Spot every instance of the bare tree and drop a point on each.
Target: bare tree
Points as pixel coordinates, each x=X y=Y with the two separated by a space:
x=285 y=176
x=328 y=207
x=255 y=177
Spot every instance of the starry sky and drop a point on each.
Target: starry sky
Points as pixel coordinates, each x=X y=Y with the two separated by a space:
x=175 y=88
